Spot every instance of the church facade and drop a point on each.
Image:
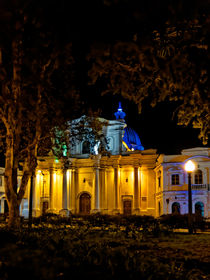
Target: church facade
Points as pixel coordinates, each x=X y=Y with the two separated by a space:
x=130 y=180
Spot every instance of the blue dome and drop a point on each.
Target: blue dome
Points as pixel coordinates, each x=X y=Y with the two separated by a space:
x=132 y=139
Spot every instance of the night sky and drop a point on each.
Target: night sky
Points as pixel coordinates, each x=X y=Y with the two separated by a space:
x=85 y=22
x=156 y=127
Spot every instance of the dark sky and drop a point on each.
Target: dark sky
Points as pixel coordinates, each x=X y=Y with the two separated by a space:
x=156 y=126
x=89 y=21
x=120 y=21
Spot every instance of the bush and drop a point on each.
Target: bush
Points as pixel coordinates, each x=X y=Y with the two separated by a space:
x=51 y=218
x=181 y=221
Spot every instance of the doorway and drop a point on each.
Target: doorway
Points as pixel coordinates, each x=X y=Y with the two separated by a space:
x=127 y=207
x=45 y=206
x=84 y=204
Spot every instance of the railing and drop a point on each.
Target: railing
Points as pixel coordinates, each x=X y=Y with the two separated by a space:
x=201 y=187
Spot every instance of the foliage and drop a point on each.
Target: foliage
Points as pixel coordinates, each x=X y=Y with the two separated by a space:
x=90 y=129
x=169 y=62
x=52 y=251
x=32 y=101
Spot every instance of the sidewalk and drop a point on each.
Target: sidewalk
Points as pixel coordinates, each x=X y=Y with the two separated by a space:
x=207 y=231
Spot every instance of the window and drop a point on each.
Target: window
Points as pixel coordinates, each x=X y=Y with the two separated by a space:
x=0 y=181
x=175 y=208
x=86 y=147
x=159 y=179
x=175 y=179
x=198 y=177
x=159 y=208
x=199 y=209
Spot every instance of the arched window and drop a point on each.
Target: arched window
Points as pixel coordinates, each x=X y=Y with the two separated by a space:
x=175 y=208
x=198 y=177
x=199 y=208
x=86 y=147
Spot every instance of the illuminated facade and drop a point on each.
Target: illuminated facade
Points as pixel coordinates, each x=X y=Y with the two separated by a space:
x=130 y=180
x=172 y=183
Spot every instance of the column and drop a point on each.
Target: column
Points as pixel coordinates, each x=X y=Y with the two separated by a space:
x=36 y=195
x=51 y=189
x=136 y=191
x=64 y=211
x=76 y=182
x=103 y=194
x=97 y=191
x=116 y=191
x=72 y=191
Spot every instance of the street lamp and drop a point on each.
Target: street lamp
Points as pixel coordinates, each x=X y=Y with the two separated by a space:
x=189 y=167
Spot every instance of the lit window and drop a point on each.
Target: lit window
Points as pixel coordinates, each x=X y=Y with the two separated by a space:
x=198 y=177
x=175 y=179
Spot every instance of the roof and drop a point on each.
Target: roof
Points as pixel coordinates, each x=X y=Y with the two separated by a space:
x=132 y=140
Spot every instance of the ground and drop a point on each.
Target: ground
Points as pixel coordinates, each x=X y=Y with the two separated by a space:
x=80 y=248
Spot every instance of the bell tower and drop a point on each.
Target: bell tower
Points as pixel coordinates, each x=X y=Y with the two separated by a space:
x=120 y=115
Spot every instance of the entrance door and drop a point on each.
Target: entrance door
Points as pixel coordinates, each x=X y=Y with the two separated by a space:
x=127 y=207
x=199 y=209
x=44 y=207
x=175 y=208
x=84 y=204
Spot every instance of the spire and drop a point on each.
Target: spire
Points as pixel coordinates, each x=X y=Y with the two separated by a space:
x=120 y=115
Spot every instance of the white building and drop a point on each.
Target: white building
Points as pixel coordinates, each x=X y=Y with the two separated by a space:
x=172 y=182
x=130 y=180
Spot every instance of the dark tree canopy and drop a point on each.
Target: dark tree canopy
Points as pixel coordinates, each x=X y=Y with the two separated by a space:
x=161 y=56
x=37 y=79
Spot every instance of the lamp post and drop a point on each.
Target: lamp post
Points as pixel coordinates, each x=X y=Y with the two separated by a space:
x=189 y=167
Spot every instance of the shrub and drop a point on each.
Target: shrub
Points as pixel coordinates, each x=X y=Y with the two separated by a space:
x=181 y=221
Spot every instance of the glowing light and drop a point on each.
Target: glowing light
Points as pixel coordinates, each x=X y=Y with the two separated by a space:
x=56 y=160
x=189 y=166
x=64 y=150
x=96 y=147
x=54 y=177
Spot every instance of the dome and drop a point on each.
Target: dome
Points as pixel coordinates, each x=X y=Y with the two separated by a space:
x=132 y=139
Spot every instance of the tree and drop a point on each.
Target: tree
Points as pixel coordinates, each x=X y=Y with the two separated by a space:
x=90 y=129
x=30 y=102
x=168 y=62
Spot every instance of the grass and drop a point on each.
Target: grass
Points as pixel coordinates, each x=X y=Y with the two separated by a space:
x=55 y=249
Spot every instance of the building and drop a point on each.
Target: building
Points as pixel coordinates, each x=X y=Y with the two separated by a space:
x=129 y=180
x=172 y=183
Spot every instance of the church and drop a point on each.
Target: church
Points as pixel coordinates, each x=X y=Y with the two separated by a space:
x=130 y=180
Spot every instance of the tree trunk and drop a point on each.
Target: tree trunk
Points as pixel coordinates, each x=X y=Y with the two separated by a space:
x=11 y=183
x=14 y=215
